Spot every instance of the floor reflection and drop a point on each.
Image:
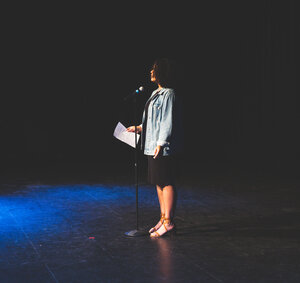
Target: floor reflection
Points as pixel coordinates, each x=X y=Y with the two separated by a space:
x=165 y=258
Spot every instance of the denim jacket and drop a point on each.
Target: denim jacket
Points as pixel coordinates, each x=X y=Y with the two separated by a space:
x=164 y=124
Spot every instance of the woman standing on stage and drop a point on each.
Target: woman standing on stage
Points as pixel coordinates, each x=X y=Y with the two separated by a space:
x=162 y=136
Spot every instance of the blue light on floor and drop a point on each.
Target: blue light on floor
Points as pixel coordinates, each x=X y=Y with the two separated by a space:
x=43 y=209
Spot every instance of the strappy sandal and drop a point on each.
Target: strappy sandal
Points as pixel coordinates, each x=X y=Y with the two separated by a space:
x=160 y=222
x=162 y=231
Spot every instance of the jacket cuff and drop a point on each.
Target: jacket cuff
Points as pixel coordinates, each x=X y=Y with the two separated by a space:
x=162 y=143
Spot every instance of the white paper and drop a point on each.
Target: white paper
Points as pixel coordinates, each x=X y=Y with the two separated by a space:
x=124 y=136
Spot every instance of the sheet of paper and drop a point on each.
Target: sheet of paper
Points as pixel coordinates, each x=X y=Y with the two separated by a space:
x=124 y=136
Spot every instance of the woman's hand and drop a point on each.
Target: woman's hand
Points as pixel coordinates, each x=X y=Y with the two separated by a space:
x=131 y=129
x=157 y=151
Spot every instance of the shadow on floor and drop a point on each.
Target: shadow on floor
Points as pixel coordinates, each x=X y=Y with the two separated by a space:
x=285 y=225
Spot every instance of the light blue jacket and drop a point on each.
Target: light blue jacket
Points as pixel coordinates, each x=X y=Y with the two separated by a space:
x=164 y=123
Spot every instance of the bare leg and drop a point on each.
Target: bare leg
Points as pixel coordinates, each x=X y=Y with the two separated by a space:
x=160 y=199
x=169 y=202
x=162 y=209
x=169 y=199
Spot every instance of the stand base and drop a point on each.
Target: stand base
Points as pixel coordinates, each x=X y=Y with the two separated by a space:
x=136 y=233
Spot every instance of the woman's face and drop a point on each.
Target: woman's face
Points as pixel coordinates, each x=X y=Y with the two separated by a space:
x=152 y=76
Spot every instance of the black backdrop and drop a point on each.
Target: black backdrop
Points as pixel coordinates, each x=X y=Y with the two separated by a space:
x=68 y=68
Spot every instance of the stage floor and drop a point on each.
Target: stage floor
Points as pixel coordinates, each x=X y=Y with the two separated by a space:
x=227 y=232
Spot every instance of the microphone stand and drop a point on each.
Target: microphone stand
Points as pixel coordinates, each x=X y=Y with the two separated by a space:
x=137 y=232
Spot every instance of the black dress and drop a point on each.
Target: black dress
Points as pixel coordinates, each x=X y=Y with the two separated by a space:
x=163 y=170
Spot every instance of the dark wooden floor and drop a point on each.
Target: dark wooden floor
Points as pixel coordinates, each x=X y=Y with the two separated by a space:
x=73 y=231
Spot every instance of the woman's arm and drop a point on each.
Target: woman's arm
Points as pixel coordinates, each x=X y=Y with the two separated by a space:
x=166 y=123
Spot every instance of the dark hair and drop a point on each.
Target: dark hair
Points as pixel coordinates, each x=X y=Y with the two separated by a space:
x=165 y=72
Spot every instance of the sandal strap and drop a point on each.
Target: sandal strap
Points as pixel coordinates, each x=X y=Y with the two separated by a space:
x=157 y=234
x=167 y=221
x=162 y=218
x=165 y=227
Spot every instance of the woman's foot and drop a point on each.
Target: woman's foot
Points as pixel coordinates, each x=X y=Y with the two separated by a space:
x=166 y=228
x=159 y=224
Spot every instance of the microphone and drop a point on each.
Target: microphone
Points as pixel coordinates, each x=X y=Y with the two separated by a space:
x=137 y=91
x=140 y=89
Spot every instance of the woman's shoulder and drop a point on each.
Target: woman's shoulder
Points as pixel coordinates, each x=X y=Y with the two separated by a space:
x=173 y=95
x=169 y=91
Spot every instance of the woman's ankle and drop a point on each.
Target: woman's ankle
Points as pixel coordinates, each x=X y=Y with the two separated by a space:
x=168 y=221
